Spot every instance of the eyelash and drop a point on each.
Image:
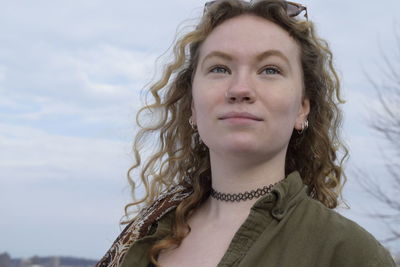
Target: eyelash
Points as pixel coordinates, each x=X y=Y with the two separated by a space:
x=276 y=69
x=219 y=67
x=226 y=69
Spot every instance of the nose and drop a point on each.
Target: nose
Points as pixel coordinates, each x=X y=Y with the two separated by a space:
x=240 y=90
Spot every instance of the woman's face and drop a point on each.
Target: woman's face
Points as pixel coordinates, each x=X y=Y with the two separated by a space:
x=247 y=89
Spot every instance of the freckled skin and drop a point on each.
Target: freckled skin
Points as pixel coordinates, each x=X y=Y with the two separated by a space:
x=270 y=88
x=245 y=154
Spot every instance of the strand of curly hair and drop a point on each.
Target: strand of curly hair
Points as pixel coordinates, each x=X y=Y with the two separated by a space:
x=180 y=153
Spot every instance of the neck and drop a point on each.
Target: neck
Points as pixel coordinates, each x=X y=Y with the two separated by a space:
x=237 y=175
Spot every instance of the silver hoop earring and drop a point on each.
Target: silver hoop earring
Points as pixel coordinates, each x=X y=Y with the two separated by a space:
x=304 y=126
x=191 y=122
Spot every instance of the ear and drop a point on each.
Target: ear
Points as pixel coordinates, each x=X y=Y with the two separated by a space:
x=304 y=110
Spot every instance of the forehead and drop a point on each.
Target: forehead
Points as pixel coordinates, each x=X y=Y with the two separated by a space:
x=249 y=35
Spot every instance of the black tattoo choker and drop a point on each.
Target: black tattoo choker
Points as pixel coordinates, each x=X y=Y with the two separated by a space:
x=228 y=197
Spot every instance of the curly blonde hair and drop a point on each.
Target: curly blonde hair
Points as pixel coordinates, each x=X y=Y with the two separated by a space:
x=315 y=154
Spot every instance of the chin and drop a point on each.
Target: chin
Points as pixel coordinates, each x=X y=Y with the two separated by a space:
x=247 y=146
x=239 y=147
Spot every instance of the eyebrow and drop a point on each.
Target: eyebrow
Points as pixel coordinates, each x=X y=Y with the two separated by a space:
x=259 y=57
x=270 y=53
x=217 y=54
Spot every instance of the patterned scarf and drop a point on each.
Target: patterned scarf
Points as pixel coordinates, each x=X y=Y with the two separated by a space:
x=141 y=225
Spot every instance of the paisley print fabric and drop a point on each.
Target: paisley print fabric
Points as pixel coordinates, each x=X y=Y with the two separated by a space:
x=141 y=225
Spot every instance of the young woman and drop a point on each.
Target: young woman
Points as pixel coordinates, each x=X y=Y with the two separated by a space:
x=247 y=170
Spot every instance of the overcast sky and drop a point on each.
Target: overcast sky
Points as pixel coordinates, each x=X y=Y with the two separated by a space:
x=71 y=73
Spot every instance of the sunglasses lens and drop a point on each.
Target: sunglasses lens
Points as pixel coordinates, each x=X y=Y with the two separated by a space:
x=293 y=10
x=208 y=5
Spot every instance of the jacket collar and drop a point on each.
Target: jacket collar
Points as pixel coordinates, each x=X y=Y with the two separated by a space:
x=284 y=195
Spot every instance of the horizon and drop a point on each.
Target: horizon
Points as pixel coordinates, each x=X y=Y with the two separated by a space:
x=72 y=76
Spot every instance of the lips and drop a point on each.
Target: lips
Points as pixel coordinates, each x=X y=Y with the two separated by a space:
x=240 y=115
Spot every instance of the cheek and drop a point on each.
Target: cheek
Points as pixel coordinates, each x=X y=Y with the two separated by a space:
x=283 y=104
x=202 y=108
x=196 y=99
x=283 y=112
x=205 y=100
x=199 y=106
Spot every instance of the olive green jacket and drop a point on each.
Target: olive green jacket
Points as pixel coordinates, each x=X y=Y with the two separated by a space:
x=285 y=228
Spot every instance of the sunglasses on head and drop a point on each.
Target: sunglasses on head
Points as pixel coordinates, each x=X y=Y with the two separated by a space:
x=293 y=9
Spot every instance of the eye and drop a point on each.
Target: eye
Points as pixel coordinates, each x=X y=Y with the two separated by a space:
x=219 y=69
x=271 y=70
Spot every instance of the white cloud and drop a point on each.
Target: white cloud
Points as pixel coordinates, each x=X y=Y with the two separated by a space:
x=2 y=74
x=26 y=150
x=99 y=85
x=70 y=77
x=56 y=187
